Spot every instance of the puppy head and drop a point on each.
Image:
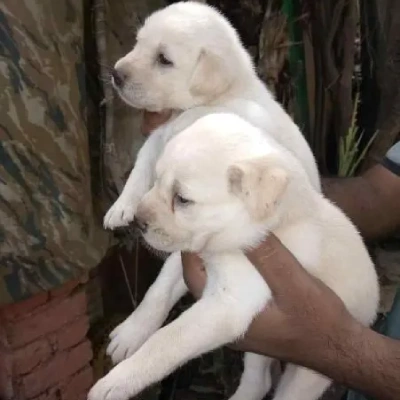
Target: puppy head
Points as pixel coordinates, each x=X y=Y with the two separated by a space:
x=213 y=190
x=186 y=55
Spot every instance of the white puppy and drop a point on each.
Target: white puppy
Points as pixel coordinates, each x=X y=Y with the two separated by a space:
x=221 y=186
x=188 y=55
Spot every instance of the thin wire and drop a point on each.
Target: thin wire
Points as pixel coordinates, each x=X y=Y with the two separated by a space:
x=134 y=304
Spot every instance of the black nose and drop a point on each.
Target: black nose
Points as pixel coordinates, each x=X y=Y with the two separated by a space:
x=142 y=225
x=118 y=77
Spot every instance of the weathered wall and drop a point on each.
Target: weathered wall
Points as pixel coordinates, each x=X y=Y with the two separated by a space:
x=49 y=232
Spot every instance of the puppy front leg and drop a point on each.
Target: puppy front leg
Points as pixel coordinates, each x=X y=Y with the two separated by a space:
x=138 y=184
x=151 y=313
x=212 y=322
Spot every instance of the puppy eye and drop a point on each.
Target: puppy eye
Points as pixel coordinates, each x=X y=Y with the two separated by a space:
x=182 y=201
x=163 y=60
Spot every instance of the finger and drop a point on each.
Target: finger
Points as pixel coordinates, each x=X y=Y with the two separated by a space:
x=152 y=120
x=194 y=273
x=192 y=260
x=265 y=328
x=280 y=269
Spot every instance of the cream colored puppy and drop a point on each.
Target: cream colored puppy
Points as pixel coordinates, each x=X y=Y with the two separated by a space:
x=221 y=186
x=188 y=55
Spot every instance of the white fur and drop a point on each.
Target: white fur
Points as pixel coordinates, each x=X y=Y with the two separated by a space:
x=242 y=184
x=210 y=68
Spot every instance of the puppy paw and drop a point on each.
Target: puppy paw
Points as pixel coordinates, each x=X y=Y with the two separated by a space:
x=111 y=387
x=123 y=382
x=121 y=213
x=127 y=337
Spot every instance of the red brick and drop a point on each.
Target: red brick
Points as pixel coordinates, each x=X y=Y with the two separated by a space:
x=3 y=334
x=67 y=288
x=22 y=309
x=27 y=358
x=72 y=334
x=6 y=384
x=12 y=312
x=51 y=394
x=79 y=384
x=53 y=317
x=57 y=369
x=82 y=396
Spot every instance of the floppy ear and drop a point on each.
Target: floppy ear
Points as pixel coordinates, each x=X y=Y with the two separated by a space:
x=210 y=77
x=259 y=184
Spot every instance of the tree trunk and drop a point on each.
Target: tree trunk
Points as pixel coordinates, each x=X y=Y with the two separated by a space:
x=387 y=59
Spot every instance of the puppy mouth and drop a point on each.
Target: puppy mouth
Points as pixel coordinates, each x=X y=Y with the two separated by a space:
x=157 y=240
x=163 y=254
x=131 y=100
x=125 y=97
x=152 y=113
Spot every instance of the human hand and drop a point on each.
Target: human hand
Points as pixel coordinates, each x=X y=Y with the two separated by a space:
x=152 y=120
x=305 y=320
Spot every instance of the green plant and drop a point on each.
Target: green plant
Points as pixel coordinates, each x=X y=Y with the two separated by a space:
x=350 y=155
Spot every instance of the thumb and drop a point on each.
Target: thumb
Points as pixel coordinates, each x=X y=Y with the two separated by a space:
x=280 y=269
x=152 y=120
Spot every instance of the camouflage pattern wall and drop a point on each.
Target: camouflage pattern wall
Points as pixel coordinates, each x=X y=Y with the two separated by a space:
x=49 y=231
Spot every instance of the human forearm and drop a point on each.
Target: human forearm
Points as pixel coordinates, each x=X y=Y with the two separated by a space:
x=370 y=201
x=309 y=325
x=353 y=196
x=361 y=359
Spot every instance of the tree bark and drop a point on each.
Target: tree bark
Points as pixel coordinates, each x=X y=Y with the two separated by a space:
x=387 y=60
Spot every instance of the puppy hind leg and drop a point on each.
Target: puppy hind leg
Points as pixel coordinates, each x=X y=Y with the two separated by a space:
x=255 y=382
x=299 y=383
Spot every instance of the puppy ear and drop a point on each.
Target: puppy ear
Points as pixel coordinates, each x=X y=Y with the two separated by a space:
x=210 y=77
x=259 y=184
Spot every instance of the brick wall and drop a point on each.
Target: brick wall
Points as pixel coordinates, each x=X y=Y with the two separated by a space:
x=44 y=352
